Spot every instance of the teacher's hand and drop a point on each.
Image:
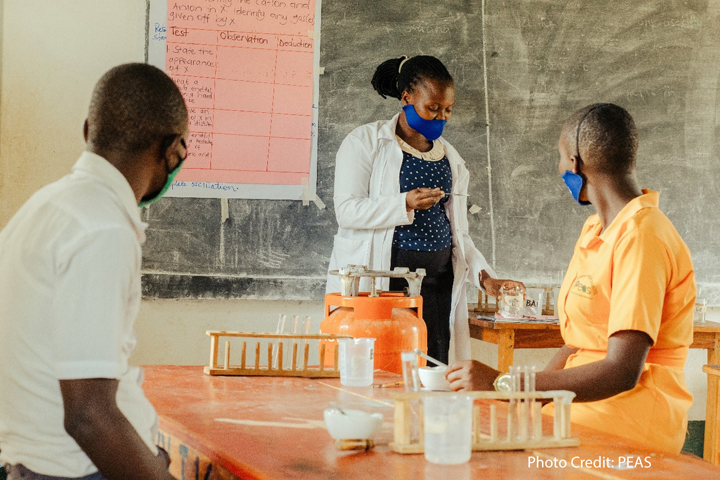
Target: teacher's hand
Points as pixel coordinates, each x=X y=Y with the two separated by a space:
x=493 y=285
x=423 y=198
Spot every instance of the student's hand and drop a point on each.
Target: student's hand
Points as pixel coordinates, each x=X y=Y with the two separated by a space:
x=493 y=285
x=423 y=198
x=164 y=456
x=93 y=419
x=471 y=375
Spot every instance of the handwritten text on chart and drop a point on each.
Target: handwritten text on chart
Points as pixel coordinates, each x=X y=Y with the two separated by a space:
x=245 y=69
x=227 y=15
x=205 y=185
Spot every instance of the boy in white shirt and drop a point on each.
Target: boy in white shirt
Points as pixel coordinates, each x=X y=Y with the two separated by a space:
x=70 y=406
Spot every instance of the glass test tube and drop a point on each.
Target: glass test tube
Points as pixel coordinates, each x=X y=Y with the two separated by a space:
x=306 y=351
x=512 y=418
x=529 y=409
x=280 y=328
x=411 y=378
x=411 y=381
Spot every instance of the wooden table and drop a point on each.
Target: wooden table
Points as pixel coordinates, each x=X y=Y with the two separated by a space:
x=511 y=336
x=272 y=428
x=711 y=451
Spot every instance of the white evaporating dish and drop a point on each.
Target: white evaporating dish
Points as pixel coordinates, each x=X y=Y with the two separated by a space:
x=352 y=424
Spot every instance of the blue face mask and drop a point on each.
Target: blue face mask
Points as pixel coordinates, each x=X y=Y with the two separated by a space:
x=430 y=129
x=574 y=183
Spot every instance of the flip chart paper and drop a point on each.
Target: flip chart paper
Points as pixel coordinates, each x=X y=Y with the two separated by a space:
x=248 y=72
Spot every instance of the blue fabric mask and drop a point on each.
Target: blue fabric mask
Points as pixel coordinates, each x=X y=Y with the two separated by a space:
x=430 y=129
x=574 y=183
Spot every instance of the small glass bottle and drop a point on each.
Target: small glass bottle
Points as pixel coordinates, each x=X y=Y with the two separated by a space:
x=700 y=310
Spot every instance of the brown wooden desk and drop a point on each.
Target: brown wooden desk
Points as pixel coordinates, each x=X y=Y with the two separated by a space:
x=272 y=428
x=511 y=336
x=711 y=451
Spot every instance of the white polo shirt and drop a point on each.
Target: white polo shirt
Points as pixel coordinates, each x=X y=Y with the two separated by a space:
x=69 y=294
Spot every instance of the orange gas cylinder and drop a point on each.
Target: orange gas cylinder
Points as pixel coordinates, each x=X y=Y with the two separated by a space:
x=393 y=320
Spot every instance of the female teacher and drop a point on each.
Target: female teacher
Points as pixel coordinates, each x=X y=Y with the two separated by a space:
x=400 y=201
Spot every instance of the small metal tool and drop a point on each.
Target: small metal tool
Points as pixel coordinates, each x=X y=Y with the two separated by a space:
x=337 y=407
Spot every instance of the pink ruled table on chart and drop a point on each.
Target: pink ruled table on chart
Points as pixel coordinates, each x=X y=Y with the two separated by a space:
x=245 y=69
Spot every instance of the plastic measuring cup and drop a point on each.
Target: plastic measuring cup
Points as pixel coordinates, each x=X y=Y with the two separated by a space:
x=448 y=428
x=357 y=361
x=534 y=301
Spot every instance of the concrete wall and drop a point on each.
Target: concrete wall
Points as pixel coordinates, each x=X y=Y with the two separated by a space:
x=53 y=52
x=172 y=332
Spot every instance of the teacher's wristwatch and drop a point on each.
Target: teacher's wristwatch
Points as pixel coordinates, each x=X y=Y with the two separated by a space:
x=502 y=383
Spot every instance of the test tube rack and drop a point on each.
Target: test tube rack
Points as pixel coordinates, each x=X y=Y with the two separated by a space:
x=524 y=421
x=488 y=304
x=277 y=363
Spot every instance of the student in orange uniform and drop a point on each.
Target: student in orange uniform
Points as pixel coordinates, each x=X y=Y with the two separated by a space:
x=626 y=303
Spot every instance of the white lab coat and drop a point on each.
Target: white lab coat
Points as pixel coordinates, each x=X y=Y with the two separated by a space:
x=369 y=205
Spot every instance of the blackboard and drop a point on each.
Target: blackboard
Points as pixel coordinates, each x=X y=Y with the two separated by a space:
x=520 y=69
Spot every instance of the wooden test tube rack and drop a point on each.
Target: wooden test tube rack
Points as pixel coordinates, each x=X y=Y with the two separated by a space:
x=518 y=437
x=273 y=353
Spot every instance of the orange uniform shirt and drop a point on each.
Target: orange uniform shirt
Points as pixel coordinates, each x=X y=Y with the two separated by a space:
x=635 y=275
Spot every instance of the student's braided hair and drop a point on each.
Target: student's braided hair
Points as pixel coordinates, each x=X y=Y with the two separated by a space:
x=390 y=79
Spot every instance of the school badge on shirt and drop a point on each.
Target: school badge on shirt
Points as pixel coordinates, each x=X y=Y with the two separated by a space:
x=584 y=286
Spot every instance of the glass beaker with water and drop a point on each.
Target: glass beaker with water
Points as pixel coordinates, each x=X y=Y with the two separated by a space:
x=512 y=301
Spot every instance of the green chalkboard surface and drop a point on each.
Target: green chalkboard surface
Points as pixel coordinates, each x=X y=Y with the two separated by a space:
x=520 y=69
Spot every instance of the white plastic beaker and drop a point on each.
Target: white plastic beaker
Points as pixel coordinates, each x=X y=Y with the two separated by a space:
x=534 y=301
x=356 y=361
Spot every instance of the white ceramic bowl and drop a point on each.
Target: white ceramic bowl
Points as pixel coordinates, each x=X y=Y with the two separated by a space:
x=433 y=378
x=354 y=424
